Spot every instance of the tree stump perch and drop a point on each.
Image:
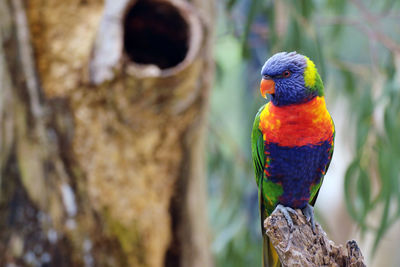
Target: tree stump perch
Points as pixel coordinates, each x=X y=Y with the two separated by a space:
x=301 y=247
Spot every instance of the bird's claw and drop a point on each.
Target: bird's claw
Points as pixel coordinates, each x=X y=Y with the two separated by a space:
x=285 y=211
x=308 y=211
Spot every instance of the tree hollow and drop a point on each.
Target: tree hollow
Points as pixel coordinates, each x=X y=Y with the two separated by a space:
x=156 y=33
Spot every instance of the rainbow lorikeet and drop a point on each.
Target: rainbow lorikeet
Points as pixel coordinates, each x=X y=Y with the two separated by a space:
x=292 y=140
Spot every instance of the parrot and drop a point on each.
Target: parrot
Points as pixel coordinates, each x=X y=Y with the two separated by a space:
x=292 y=141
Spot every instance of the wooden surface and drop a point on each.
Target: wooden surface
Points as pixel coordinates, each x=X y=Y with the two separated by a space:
x=299 y=246
x=102 y=157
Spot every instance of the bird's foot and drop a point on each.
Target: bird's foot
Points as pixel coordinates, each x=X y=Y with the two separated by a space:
x=308 y=211
x=285 y=211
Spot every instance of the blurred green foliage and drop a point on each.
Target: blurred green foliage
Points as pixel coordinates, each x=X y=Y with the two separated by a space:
x=356 y=46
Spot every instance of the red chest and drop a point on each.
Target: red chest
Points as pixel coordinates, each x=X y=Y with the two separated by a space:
x=297 y=125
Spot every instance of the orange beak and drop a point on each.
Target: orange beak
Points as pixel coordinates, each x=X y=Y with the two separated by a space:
x=267 y=86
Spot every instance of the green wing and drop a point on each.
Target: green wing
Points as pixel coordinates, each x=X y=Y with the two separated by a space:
x=257 y=149
x=257 y=152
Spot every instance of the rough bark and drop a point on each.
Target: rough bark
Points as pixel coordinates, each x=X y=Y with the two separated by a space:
x=301 y=247
x=102 y=136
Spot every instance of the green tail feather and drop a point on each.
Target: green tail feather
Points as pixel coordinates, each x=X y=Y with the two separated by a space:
x=270 y=257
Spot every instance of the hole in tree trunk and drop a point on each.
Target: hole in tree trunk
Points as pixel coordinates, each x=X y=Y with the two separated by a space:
x=155 y=33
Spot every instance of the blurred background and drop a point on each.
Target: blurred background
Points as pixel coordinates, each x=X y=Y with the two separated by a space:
x=356 y=48
x=125 y=127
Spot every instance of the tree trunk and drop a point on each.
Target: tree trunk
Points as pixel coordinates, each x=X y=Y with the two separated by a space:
x=102 y=109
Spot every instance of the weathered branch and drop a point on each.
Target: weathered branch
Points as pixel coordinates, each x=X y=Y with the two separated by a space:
x=301 y=247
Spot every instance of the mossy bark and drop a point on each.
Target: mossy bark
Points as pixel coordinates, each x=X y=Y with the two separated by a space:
x=102 y=157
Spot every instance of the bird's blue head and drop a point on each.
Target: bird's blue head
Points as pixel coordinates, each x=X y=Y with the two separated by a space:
x=290 y=78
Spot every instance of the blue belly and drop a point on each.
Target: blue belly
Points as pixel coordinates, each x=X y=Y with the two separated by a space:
x=297 y=169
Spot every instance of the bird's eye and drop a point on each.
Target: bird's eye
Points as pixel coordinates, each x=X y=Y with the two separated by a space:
x=286 y=73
